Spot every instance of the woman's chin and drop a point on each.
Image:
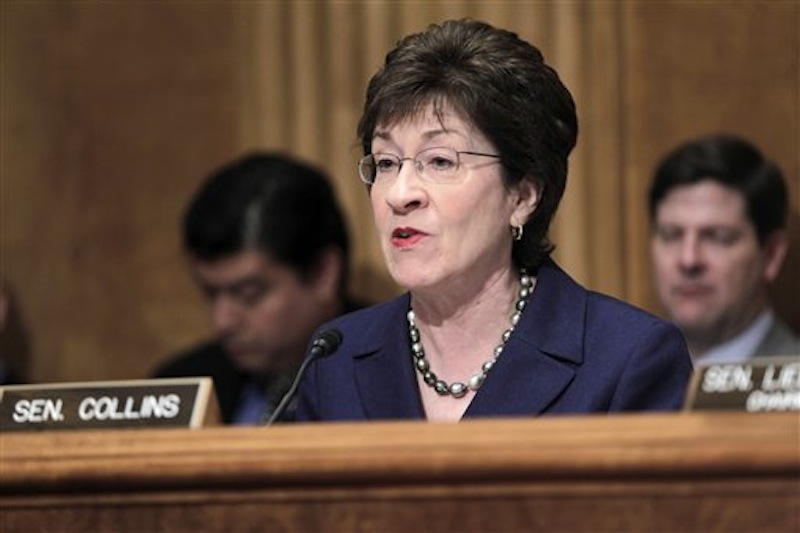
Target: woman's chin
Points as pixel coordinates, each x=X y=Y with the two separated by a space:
x=420 y=282
x=411 y=279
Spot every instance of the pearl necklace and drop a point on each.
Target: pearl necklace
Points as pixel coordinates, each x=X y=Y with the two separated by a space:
x=459 y=389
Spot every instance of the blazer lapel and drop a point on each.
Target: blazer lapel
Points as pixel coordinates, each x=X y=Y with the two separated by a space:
x=384 y=373
x=524 y=381
x=537 y=364
x=539 y=360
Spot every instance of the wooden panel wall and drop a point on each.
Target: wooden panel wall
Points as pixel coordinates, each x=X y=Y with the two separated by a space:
x=113 y=112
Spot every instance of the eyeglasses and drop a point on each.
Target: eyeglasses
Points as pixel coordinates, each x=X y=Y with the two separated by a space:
x=436 y=165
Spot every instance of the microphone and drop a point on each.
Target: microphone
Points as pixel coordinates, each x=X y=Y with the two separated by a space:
x=325 y=344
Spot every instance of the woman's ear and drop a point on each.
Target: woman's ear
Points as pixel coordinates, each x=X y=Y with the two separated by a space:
x=527 y=200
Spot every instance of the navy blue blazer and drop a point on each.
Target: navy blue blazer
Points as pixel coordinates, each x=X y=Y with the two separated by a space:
x=573 y=351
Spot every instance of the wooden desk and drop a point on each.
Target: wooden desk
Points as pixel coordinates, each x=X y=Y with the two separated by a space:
x=677 y=472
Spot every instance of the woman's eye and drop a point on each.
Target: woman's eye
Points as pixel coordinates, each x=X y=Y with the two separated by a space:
x=440 y=163
x=385 y=165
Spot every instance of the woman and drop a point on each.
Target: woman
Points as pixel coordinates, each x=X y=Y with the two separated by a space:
x=466 y=134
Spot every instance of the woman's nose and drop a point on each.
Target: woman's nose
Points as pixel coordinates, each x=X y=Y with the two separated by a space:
x=407 y=190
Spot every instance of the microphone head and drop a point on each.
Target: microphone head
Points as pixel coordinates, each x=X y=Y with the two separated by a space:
x=327 y=342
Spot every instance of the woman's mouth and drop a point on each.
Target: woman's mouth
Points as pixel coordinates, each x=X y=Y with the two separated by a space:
x=406 y=237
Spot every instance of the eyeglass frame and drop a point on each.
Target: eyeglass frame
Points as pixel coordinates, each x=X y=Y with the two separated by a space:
x=418 y=165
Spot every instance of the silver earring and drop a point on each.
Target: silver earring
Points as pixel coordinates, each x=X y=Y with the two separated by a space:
x=516 y=232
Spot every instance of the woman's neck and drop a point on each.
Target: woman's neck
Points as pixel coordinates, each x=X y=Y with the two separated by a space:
x=459 y=336
x=463 y=302
x=460 y=330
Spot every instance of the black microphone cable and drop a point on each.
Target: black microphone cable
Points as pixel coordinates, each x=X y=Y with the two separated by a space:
x=325 y=344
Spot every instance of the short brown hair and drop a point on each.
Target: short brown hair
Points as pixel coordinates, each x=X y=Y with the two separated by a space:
x=501 y=84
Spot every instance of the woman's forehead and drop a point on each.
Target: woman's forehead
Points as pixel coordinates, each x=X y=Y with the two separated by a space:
x=433 y=119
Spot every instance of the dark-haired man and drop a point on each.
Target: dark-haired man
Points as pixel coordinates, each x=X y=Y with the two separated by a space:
x=268 y=246
x=718 y=210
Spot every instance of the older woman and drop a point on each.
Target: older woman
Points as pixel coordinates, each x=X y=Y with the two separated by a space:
x=466 y=133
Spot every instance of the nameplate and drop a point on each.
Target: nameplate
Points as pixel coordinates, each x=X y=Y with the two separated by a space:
x=763 y=384
x=152 y=403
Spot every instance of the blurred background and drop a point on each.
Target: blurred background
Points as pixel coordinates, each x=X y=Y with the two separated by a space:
x=112 y=113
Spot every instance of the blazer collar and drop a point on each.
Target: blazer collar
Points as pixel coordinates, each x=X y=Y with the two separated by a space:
x=537 y=363
x=555 y=320
x=540 y=359
x=385 y=376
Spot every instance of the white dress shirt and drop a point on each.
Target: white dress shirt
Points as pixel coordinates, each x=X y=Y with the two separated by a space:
x=743 y=346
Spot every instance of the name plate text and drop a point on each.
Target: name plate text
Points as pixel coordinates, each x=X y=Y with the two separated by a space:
x=180 y=402
x=763 y=384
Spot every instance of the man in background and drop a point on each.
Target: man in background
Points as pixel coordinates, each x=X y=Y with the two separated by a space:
x=718 y=211
x=268 y=247
x=14 y=341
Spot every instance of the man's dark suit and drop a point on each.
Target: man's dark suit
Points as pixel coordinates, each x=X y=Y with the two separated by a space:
x=573 y=351
x=209 y=359
x=232 y=386
x=780 y=340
